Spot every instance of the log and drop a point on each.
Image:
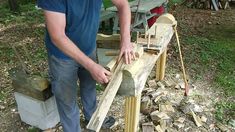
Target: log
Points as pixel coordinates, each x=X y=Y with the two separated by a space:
x=136 y=74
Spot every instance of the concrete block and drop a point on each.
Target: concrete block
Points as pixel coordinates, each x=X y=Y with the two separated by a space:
x=41 y=114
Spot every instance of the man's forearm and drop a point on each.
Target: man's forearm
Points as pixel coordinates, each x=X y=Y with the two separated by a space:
x=125 y=20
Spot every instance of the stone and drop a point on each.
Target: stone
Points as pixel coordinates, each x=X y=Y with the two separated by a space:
x=203 y=119
x=157 y=116
x=152 y=84
x=166 y=108
x=148 y=127
x=178 y=125
x=158 y=128
x=146 y=105
x=41 y=114
x=197 y=120
x=159 y=84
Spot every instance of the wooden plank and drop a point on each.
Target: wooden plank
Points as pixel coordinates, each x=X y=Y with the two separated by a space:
x=109 y=93
x=35 y=87
x=145 y=6
x=106 y=100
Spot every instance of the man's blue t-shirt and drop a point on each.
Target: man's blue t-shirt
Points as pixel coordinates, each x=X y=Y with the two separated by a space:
x=82 y=23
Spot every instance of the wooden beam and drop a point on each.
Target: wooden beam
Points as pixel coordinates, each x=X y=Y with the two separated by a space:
x=106 y=100
x=135 y=74
x=110 y=92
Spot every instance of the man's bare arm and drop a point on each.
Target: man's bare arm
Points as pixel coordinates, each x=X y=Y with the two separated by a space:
x=56 y=27
x=125 y=20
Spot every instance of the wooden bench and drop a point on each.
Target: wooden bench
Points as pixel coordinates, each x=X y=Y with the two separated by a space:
x=131 y=79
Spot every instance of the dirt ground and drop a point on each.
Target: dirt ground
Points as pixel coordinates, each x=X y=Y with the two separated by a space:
x=191 y=22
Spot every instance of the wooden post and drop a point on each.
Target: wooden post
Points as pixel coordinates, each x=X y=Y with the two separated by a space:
x=160 y=66
x=132 y=110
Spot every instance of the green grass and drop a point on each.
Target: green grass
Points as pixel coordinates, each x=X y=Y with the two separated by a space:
x=28 y=14
x=215 y=54
x=225 y=111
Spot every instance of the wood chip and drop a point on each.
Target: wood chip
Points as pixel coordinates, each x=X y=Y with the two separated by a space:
x=148 y=127
x=152 y=83
x=178 y=125
x=158 y=128
x=146 y=105
x=197 y=120
x=203 y=119
x=157 y=116
x=180 y=120
x=166 y=108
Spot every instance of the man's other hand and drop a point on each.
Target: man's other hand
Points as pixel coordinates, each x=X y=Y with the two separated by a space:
x=100 y=74
x=127 y=52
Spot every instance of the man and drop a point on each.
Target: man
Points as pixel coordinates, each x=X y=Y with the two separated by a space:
x=72 y=26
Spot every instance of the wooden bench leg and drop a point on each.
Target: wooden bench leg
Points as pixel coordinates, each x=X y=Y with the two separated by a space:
x=160 y=66
x=132 y=110
x=115 y=25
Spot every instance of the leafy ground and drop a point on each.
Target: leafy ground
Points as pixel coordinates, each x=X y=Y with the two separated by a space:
x=208 y=44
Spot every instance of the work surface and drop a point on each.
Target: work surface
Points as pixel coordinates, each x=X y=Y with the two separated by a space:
x=145 y=6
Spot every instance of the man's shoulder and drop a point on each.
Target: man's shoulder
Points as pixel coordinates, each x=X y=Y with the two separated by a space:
x=52 y=5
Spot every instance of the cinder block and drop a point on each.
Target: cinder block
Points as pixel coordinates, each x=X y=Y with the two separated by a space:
x=41 y=114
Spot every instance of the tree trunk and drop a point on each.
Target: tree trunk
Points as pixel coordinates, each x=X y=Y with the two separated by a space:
x=14 y=6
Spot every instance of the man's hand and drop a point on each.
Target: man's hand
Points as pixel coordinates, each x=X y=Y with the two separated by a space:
x=124 y=14
x=127 y=52
x=99 y=73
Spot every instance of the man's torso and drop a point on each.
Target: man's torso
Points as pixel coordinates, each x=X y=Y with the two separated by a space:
x=82 y=22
